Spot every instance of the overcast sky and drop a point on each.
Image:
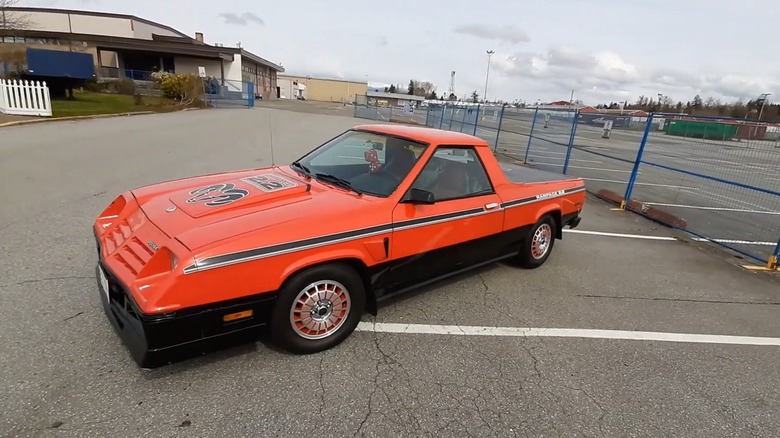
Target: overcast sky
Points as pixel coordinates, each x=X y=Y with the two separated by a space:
x=605 y=50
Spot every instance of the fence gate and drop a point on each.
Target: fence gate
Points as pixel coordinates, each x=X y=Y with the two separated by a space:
x=229 y=93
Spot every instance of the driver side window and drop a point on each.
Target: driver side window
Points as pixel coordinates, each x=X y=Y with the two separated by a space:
x=453 y=173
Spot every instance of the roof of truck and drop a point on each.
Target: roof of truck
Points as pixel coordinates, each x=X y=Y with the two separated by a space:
x=425 y=134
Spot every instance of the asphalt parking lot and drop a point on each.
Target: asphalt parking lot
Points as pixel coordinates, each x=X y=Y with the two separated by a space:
x=497 y=372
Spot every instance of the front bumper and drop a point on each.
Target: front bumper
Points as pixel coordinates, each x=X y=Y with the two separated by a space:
x=156 y=340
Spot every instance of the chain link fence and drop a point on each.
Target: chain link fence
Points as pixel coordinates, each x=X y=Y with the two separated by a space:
x=717 y=178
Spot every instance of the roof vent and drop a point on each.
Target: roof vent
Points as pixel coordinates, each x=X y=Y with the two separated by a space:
x=199 y=36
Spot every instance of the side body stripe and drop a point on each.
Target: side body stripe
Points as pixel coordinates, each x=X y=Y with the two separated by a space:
x=300 y=245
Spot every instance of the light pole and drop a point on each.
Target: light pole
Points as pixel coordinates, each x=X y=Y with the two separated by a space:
x=763 y=101
x=487 y=75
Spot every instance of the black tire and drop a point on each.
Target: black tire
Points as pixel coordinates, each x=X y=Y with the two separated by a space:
x=283 y=332
x=527 y=257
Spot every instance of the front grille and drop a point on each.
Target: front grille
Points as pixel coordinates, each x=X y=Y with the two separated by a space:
x=134 y=255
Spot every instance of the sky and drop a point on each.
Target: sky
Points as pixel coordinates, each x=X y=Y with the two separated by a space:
x=602 y=50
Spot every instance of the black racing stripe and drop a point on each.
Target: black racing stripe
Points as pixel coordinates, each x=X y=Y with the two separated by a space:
x=291 y=246
x=258 y=252
x=425 y=220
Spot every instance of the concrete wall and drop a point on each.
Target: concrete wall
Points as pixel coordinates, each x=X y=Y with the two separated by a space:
x=190 y=65
x=329 y=90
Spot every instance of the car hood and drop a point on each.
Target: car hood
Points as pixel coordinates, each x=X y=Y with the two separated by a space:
x=204 y=210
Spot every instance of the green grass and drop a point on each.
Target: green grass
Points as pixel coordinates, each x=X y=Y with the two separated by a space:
x=90 y=103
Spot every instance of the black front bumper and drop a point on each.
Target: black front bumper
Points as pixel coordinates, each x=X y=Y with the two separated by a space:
x=156 y=340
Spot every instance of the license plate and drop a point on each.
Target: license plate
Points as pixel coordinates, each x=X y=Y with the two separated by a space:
x=103 y=281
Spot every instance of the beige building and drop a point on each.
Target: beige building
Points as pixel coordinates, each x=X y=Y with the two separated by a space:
x=319 y=89
x=126 y=46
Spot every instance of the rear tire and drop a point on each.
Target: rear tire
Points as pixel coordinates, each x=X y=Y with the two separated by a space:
x=318 y=308
x=538 y=243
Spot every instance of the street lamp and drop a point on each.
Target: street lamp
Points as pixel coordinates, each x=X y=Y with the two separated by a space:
x=487 y=75
x=763 y=101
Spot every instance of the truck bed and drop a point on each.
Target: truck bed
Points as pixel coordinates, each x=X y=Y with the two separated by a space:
x=523 y=174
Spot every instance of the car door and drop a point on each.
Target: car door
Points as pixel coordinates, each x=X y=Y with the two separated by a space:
x=431 y=240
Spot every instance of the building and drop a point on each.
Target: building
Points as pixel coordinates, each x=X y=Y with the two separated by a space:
x=126 y=46
x=382 y=99
x=320 y=89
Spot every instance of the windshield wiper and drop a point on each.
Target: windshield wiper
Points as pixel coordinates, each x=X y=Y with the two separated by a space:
x=337 y=181
x=305 y=170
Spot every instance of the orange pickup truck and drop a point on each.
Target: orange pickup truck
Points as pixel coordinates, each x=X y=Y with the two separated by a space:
x=301 y=251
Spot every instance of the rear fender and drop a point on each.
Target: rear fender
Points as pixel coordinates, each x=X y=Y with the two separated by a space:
x=553 y=209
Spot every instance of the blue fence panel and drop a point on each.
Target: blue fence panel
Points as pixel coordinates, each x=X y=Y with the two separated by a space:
x=226 y=93
x=718 y=174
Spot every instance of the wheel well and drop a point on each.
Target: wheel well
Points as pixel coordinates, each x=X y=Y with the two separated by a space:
x=360 y=268
x=556 y=215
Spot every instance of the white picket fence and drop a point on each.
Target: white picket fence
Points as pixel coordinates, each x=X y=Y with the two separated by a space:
x=24 y=98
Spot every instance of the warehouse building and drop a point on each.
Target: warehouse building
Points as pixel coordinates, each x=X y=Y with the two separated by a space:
x=126 y=46
x=319 y=89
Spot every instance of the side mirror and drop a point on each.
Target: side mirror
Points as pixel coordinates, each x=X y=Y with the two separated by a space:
x=418 y=196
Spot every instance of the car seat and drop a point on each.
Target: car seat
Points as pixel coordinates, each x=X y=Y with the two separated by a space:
x=452 y=182
x=400 y=161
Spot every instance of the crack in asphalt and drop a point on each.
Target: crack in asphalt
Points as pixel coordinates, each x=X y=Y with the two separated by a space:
x=39 y=280
x=322 y=385
x=674 y=300
x=73 y=316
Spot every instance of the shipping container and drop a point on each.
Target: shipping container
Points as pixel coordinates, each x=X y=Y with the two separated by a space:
x=701 y=129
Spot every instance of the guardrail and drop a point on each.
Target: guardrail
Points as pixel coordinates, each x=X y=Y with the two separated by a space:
x=716 y=178
x=25 y=98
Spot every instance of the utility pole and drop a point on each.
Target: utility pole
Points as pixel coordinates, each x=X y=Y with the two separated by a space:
x=763 y=101
x=487 y=75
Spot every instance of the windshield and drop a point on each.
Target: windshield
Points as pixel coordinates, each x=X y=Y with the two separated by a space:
x=365 y=162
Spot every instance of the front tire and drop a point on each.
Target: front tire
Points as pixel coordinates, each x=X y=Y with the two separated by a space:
x=538 y=244
x=318 y=308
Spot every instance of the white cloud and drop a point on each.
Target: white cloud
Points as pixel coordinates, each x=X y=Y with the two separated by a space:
x=506 y=32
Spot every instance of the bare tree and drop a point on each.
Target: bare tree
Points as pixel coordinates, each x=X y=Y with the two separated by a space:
x=11 y=20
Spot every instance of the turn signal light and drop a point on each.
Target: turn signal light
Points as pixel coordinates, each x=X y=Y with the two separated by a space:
x=230 y=317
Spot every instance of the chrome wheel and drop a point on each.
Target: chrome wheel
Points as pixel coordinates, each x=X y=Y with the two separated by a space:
x=541 y=241
x=320 y=309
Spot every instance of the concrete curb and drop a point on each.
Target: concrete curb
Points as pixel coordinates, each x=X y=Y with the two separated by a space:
x=653 y=213
x=94 y=116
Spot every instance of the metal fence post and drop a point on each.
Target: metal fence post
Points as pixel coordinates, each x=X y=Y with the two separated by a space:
x=498 y=130
x=251 y=94
x=476 y=121
x=639 y=153
x=530 y=136
x=772 y=264
x=572 y=136
x=443 y=112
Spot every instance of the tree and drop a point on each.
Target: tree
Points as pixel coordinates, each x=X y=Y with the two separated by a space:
x=392 y=88
x=12 y=20
x=474 y=96
x=410 y=88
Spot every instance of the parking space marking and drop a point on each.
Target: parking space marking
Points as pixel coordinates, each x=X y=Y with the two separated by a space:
x=528 y=332
x=671 y=186
x=668 y=238
x=699 y=207
x=628 y=236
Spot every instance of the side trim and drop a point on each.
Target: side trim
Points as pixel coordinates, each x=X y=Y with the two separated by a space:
x=300 y=245
x=541 y=197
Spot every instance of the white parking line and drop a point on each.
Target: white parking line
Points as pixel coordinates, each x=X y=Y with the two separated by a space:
x=627 y=236
x=528 y=332
x=640 y=183
x=589 y=168
x=698 y=207
x=570 y=159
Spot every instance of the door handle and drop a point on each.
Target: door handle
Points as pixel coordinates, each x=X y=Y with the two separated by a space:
x=491 y=206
